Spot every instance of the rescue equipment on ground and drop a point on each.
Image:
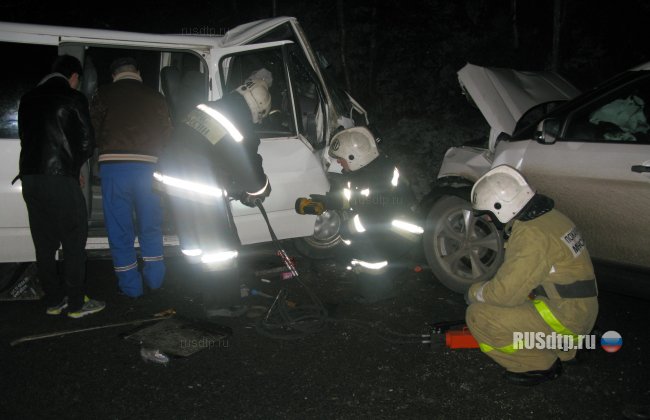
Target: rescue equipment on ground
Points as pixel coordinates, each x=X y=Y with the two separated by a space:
x=456 y=333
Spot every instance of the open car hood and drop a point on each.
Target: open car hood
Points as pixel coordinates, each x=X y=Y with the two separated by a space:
x=503 y=95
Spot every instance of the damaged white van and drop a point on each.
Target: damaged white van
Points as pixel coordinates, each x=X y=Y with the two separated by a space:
x=197 y=67
x=590 y=152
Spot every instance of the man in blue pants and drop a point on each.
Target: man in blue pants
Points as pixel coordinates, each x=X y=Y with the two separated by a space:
x=132 y=125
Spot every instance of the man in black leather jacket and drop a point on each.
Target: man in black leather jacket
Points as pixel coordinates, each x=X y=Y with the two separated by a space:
x=56 y=138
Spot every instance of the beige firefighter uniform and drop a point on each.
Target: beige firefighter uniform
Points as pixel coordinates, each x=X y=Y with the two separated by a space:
x=546 y=284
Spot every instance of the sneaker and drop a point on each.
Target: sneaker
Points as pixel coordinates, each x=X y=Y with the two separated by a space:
x=90 y=306
x=57 y=309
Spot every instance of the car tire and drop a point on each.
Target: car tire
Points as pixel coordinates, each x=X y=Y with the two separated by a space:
x=457 y=255
x=326 y=240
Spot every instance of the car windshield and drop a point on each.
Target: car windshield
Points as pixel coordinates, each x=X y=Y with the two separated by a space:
x=338 y=95
x=339 y=98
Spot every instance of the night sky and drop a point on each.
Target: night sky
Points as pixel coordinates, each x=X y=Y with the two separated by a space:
x=598 y=38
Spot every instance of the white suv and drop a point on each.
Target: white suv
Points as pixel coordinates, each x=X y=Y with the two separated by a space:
x=590 y=152
x=184 y=67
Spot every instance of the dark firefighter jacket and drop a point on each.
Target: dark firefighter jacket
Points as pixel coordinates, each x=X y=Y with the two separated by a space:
x=203 y=149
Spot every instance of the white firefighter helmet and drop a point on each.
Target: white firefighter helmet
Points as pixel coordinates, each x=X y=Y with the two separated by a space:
x=502 y=192
x=356 y=145
x=255 y=91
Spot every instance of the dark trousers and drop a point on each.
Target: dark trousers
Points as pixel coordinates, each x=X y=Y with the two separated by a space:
x=58 y=217
x=211 y=228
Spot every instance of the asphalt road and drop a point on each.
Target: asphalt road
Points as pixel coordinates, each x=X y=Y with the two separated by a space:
x=345 y=371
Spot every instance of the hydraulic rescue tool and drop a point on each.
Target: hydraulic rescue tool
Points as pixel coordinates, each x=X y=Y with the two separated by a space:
x=284 y=319
x=457 y=335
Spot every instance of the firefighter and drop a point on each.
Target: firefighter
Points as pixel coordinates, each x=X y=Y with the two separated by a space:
x=213 y=159
x=546 y=284
x=382 y=225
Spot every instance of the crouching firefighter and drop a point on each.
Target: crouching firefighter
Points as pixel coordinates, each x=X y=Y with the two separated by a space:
x=382 y=225
x=213 y=159
x=545 y=288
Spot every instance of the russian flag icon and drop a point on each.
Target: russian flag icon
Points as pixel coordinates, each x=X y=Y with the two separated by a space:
x=611 y=341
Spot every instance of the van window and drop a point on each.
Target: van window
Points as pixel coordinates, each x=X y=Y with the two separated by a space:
x=337 y=95
x=307 y=97
x=184 y=83
x=24 y=66
x=235 y=69
x=148 y=62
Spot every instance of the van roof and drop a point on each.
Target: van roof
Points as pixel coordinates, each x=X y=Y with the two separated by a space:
x=239 y=35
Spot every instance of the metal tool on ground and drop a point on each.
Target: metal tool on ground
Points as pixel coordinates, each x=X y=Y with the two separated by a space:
x=283 y=320
x=279 y=272
x=444 y=326
x=156 y=317
x=290 y=322
x=456 y=334
x=460 y=339
x=255 y=292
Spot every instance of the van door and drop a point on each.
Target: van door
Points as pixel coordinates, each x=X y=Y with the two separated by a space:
x=179 y=74
x=291 y=141
x=29 y=64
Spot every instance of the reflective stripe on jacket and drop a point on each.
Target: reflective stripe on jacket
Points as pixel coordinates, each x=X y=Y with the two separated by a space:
x=545 y=251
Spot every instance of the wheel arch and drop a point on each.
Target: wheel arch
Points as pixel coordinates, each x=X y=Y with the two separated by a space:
x=457 y=186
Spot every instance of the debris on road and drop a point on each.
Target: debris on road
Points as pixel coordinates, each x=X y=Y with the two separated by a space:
x=179 y=338
x=154 y=355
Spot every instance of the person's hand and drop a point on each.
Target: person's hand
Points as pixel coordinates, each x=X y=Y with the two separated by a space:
x=251 y=200
x=330 y=201
x=319 y=198
x=475 y=293
x=468 y=300
x=82 y=181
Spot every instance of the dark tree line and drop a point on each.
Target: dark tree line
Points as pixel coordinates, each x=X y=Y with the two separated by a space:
x=401 y=57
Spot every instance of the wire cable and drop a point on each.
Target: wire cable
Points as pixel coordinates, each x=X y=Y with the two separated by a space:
x=287 y=321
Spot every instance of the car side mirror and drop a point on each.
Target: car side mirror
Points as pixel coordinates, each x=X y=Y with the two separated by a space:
x=548 y=131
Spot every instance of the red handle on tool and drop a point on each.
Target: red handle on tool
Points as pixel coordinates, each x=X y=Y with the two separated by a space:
x=460 y=339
